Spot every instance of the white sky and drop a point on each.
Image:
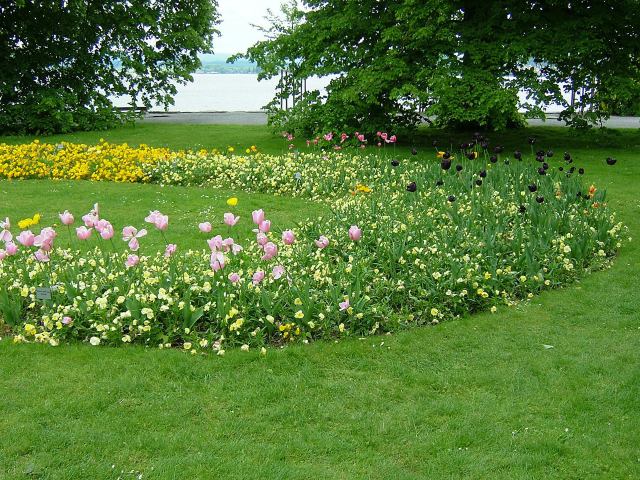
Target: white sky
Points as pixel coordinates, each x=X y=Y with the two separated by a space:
x=236 y=31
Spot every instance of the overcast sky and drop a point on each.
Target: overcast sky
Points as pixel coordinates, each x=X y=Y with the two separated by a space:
x=237 y=34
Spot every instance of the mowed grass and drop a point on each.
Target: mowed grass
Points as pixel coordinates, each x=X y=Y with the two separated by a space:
x=480 y=397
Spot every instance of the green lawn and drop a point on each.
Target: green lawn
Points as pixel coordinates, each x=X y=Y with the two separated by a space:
x=480 y=397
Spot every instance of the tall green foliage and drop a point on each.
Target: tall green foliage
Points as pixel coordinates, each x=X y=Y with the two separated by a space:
x=61 y=60
x=462 y=61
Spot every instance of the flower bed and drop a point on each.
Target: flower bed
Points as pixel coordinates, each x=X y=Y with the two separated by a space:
x=407 y=243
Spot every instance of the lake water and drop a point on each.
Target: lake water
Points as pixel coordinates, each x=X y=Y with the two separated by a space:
x=225 y=92
x=237 y=93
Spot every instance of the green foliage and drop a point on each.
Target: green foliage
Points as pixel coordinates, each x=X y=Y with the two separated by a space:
x=462 y=62
x=62 y=60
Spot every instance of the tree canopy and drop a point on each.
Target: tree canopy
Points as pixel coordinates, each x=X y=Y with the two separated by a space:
x=462 y=62
x=61 y=60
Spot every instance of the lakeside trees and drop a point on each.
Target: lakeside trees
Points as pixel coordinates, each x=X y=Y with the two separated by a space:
x=462 y=62
x=62 y=60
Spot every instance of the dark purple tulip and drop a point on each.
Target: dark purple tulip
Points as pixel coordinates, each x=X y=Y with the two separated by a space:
x=581 y=171
x=498 y=149
x=451 y=198
x=412 y=187
x=533 y=188
x=483 y=173
x=445 y=164
x=414 y=151
x=567 y=156
x=517 y=155
x=550 y=153
x=542 y=171
x=478 y=182
x=539 y=199
x=458 y=168
x=493 y=159
x=611 y=161
x=439 y=183
x=395 y=163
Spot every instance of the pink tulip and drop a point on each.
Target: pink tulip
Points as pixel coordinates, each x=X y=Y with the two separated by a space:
x=257 y=216
x=355 y=233
x=45 y=239
x=288 y=237
x=66 y=218
x=322 y=242
x=215 y=243
x=217 y=261
x=262 y=239
x=361 y=138
x=26 y=238
x=384 y=135
x=277 y=272
x=107 y=231
x=66 y=320
x=328 y=137
x=343 y=137
x=258 y=277
x=132 y=261
x=205 y=227
x=344 y=305
x=234 y=277
x=236 y=249
x=170 y=250
x=160 y=221
x=265 y=226
x=230 y=219
x=83 y=232
x=5 y=234
x=42 y=256
x=11 y=248
x=270 y=251
x=131 y=234
x=393 y=139
x=90 y=220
